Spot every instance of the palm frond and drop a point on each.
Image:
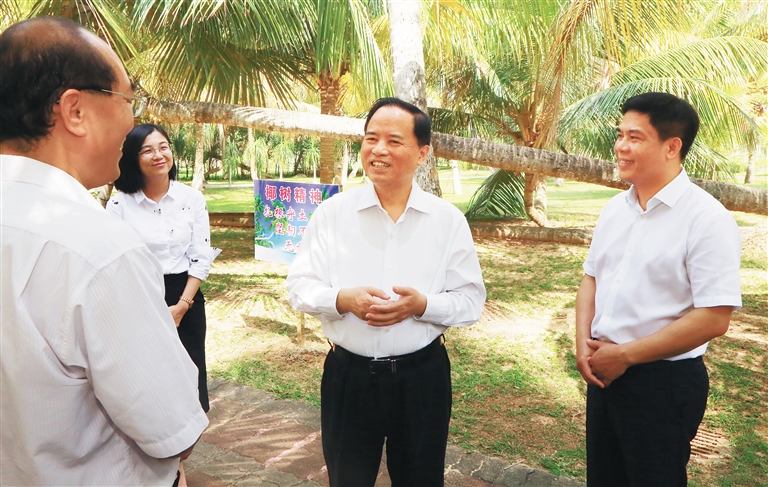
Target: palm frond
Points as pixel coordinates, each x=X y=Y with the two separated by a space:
x=344 y=42
x=724 y=121
x=706 y=163
x=107 y=18
x=12 y=11
x=499 y=196
x=723 y=61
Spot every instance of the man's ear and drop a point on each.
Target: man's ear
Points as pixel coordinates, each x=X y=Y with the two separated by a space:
x=70 y=111
x=674 y=144
x=423 y=153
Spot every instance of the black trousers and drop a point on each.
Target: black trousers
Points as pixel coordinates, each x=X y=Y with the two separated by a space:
x=409 y=409
x=191 y=330
x=639 y=429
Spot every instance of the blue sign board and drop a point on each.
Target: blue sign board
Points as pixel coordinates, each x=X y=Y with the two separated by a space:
x=281 y=214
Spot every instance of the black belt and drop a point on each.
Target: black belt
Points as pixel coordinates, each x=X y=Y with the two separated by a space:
x=388 y=365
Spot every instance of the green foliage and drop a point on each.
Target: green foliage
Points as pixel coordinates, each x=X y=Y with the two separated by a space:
x=568 y=462
x=214 y=51
x=500 y=196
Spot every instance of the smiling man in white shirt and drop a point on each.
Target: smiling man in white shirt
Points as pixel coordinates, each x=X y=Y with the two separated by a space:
x=661 y=280
x=387 y=269
x=96 y=387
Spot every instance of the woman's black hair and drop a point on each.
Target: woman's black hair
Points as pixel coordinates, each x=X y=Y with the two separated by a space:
x=131 y=178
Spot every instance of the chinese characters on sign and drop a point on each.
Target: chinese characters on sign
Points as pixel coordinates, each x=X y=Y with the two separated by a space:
x=281 y=213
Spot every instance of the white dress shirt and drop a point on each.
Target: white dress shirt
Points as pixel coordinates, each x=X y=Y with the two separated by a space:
x=351 y=241
x=176 y=229
x=96 y=387
x=654 y=266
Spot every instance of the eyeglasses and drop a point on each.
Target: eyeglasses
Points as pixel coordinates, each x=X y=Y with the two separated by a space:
x=150 y=152
x=138 y=103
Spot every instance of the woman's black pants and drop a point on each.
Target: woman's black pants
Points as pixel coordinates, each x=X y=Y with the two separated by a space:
x=191 y=330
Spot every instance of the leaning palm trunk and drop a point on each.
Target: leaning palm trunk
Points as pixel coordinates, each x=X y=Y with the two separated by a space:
x=476 y=151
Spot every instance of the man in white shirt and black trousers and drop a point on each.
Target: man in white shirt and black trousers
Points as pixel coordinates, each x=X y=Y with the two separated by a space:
x=387 y=269
x=661 y=280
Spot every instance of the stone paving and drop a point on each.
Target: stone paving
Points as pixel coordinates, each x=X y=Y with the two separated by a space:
x=255 y=439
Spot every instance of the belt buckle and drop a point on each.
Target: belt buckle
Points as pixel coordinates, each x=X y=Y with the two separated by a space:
x=382 y=365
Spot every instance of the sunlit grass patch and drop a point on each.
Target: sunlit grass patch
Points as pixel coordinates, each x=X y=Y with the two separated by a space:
x=516 y=399
x=273 y=378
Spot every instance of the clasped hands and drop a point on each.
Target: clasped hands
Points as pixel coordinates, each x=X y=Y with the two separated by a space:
x=601 y=362
x=376 y=308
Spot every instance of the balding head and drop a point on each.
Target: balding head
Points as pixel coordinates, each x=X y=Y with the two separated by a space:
x=40 y=59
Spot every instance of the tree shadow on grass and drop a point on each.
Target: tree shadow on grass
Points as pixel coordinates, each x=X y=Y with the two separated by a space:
x=280 y=328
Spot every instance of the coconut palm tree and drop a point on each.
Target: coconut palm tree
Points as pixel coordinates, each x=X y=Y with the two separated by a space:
x=544 y=60
x=241 y=52
x=346 y=58
x=404 y=39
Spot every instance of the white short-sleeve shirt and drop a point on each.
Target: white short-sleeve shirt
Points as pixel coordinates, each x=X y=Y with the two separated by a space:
x=652 y=267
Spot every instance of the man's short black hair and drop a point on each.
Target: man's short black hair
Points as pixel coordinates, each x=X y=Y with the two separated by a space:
x=422 y=124
x=669 y=115
x=40 y=59
x=131 y=178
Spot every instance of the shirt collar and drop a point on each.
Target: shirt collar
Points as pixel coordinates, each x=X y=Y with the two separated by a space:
x=669 y=194
x=173 y=191
x=30 y=171
x=418 y=199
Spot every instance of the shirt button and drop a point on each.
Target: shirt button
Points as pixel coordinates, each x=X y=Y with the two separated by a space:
x=607 y=313
x=389 y=267
x=386 y=330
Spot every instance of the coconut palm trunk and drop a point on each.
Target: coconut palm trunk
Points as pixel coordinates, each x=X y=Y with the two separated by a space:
x=408 y=74
x=330 y=148
x=535 y=198
x=198 y=176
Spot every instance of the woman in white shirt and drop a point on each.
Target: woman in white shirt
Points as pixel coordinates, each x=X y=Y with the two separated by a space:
x=172 y=219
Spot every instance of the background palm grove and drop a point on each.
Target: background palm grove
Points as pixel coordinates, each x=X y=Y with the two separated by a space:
x=530 y=88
